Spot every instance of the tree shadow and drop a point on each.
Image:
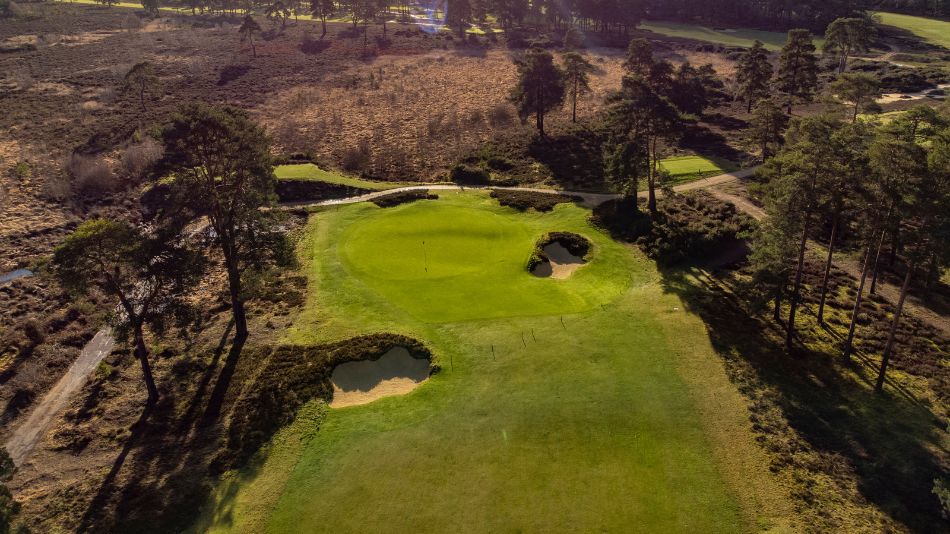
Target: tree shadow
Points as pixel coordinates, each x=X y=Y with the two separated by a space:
x=885 y=443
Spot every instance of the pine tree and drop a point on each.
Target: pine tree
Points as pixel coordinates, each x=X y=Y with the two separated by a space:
x=576 y=71
x=798 y=68
x=540 y=86
x=754 y=73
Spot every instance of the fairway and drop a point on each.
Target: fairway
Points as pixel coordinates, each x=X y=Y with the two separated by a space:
x=936 y=32
x=562 y=405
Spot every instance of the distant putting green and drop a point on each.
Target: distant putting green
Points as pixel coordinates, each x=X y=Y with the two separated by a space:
x=562 y=405
x=687 y=168
x=309 y=171
x=936 y=32
x=724 y=36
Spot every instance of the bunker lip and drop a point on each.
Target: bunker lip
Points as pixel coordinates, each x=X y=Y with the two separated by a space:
x=396 y=372
x=558 y=254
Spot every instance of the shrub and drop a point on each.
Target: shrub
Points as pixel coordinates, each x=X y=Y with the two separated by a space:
x=356 y=159
x=525 y=200
x=687 y=227
x=501 y=115
x=499 y=163
x=403 y=197
x=91 y=175
x=137 y=158
x=469 y=175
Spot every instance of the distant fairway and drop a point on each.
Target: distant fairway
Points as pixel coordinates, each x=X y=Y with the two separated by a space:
x=725 y=36
x=576 y=405
x=936 y=32
x=309 y=171
x=687 y=168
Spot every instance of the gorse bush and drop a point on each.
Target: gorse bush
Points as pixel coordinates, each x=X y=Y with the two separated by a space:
x=469 y=175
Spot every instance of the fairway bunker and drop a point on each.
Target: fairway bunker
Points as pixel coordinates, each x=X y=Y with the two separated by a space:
x=360 y=382
x=558 y=255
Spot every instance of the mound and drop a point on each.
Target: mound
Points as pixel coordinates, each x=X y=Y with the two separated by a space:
x=395 y=373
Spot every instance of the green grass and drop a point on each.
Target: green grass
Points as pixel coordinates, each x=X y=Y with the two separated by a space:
x=688 y=168
x=309 y=171
x=725 y=36
x=933 y=31
x=563 y=405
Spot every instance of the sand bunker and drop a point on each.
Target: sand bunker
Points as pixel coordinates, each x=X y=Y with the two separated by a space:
x=560 y=262
x=361 y=382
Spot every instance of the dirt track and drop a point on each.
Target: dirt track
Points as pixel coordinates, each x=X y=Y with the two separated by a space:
x=29 y=433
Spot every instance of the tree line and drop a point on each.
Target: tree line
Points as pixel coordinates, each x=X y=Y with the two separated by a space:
x=592 y=15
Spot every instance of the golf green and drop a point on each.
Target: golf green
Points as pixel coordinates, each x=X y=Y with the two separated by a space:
x=593 y=403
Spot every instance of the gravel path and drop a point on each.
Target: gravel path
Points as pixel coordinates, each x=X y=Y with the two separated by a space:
x=29 y=433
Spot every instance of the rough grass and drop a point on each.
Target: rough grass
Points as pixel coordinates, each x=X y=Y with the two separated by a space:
x=933 y=31
x=577 y=411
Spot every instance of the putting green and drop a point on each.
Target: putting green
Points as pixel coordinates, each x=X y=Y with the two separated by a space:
x=593 y=403
x=444 y=261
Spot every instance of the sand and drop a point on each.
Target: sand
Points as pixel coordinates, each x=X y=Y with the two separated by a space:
x=561 y=263
x=362 y=382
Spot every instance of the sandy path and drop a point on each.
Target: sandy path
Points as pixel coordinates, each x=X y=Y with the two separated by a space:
x=29 y=433
x=889 y=292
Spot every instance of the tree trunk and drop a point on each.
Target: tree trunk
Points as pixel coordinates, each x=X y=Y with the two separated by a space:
x=651 y=180
x=253 y=48
x=796 y=289
x=323 y=22
x=539 y=115
x=886 y=357
x=846 y=350
x=141 y=352
x=877 y=260
x=574 y=102
x=237 y=300
x=777 y=311
x=824 y=279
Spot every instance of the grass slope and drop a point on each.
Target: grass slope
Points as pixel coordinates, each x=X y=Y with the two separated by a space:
x=309 y=171
x=933 y=31
x=583 y=404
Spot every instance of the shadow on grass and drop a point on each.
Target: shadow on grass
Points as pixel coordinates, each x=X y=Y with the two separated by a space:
x=824 y=418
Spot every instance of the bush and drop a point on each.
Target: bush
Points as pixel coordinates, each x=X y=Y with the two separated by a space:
x=501 y=115
x=525 y=200
x=357 y=159
x=687 y=227
x=91 y=175
x=469 y=175
x=137 y=158
x=403 y=197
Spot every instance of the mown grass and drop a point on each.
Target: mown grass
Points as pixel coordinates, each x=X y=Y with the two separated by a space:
x=309 y=171
x=684 y=169
x=743 y=37
x=576 y=404
x=933 y=31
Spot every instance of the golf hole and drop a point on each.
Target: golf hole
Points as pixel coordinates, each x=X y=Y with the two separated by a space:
x=559 y=255
x=395 y=373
